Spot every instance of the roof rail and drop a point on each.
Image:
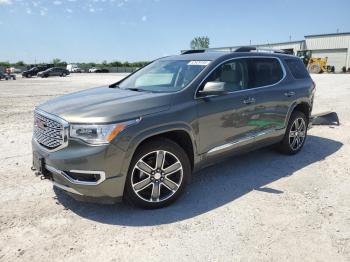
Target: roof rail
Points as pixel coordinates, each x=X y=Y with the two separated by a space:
x=192 y=51
x=245 y=49
x=258 y=49
x=238 y=49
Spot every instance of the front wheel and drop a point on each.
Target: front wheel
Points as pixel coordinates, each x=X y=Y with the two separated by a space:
x=158 y=174
x=295 y=135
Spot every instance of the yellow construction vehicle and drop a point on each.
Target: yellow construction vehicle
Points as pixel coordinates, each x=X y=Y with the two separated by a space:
x=315 y=65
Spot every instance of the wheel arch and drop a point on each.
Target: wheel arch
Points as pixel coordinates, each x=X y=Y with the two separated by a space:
x=302 y=106
x=182 y=135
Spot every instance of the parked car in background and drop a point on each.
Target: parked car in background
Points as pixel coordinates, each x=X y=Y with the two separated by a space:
x=78 y=70
x=98 y=70
x=15 y=70
x=54 y=71
x=31 y=72
x=92 y=70
x=142 y=137
x=7 y=76
x=74 y=68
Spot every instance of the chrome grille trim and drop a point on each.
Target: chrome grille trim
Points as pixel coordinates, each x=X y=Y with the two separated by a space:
x=50 y=131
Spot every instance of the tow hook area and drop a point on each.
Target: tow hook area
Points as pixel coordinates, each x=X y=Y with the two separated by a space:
x=43 y=175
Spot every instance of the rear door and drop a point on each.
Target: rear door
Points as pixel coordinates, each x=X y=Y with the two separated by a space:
x=266 y=83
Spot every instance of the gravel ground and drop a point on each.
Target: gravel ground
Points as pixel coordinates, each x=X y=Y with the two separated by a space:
x=260 y=206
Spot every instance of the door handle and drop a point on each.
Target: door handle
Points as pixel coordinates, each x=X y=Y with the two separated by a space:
x=249 y=100
x=289 y=93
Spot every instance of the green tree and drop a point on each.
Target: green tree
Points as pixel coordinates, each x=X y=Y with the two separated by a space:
x=20 y=63
x=116 y=63
x=56 y=61
x=59 y=62
x=200 y=42
x=5 y=64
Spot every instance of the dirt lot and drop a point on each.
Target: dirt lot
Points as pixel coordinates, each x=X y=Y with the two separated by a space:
x=260 y=206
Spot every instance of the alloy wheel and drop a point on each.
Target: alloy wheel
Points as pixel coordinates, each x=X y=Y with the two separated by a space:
x=157 y=176
x=297 y=134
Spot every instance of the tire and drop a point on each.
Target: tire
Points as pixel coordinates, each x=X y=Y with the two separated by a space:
x=314 y=68
x=64 y=74
x=152 y=187
x=294 y=138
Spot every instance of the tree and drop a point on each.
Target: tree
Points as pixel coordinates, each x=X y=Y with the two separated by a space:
x=200 y=42
x=20 y=63
x=116 y=63
x=5 y=64
x=56 y=61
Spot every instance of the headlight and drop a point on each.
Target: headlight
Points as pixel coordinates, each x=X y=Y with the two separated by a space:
x=99 y=134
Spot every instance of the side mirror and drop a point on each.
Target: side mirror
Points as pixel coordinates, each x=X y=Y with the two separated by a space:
x=213 y=89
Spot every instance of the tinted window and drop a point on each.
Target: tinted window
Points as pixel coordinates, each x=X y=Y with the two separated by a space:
x=297 y=68
x=233 y=73
x=264 y=72
x=246 y=73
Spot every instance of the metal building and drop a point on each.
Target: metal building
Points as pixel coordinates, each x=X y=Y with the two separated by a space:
x=334 y=46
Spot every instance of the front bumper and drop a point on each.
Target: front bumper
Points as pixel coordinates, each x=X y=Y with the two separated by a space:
x=106 y=161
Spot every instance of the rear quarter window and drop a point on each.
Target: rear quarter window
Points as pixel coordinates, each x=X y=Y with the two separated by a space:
x=297 y=68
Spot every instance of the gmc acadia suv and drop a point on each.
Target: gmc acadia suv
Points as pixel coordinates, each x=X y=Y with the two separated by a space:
x=142 y=137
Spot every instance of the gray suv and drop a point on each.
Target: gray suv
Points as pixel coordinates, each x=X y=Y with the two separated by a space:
x=142 y=137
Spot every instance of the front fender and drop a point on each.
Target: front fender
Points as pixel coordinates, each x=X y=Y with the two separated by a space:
x=154 y=131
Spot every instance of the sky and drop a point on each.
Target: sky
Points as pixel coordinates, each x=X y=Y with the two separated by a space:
x=136 y=30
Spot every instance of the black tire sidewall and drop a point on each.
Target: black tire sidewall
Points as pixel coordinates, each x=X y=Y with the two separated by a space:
x=158 y=144
x=285 y=146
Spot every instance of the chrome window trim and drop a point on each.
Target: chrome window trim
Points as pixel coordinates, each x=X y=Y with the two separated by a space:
x=77 y=182
x=65 y=126
x=249 y=89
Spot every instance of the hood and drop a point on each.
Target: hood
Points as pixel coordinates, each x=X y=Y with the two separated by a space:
x=106 y=105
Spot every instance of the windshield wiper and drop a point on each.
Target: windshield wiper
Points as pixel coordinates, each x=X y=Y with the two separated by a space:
x=115 y=85
x=136 y=89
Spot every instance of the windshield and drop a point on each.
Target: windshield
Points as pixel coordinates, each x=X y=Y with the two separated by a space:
x=164 y=75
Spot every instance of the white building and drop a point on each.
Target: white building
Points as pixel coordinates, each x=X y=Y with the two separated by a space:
x=334 y=46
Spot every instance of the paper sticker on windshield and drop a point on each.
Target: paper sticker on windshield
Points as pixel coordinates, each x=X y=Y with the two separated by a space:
x=201 y=63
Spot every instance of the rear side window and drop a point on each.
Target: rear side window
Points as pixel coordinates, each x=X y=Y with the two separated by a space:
x=297 y=68
x=264 y=72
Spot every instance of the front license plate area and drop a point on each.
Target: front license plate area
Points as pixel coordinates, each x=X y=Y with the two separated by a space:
x=39 y=164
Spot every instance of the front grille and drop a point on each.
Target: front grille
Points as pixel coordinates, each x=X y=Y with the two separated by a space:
x=49 y=131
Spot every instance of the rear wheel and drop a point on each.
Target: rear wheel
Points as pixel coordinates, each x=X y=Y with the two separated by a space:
x=295 y=135
x=158 y=174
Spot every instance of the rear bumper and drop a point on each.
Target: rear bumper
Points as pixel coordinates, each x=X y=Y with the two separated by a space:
x=104 y=161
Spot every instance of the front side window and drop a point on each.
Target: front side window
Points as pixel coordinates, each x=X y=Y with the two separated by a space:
x=234 y=75
x=164 y=76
